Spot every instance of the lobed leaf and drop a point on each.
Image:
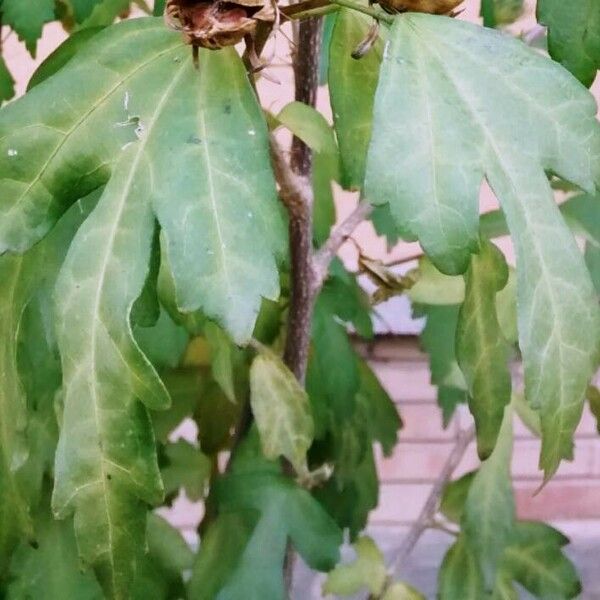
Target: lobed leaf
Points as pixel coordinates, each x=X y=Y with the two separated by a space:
x=535 y=560
x=188 y=469
x=66 y=136
x=259 y=510
x=573 y=35
x=27 y=19
x=431 y=112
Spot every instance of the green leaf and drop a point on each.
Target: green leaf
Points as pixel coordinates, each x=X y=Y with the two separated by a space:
x=105 y=12
x=438 y=340
x=583 y=215
x=384 y=224
x=368 y=571
x=186 y=387
x=221 y=549
x=160 y=575
x=311 y=127
x=233 y=212
x=352 y=86
x=23 y=277
x=215 y=417
x=593 y=398
x=104 y=374
x=62 y=55
x=592 y=262
x=41 y=376
x=83 y=8
x=529 y=417
x=51 y=568
x=489 y=511
x=536 y=561
x=433 y=287
x=431 y=100
x=344 y=297
x=460 y=576
x=481 y=349
x=573 y=35
x=380 y=413
x=353 y=490
x=164 y=343
x=332 y=378
x=281 y=410
x=187 y=468
x=55 y=151
x=448 y=399
x=28 y=19
x=402 y=591
x=259 y=510
x=455 y=495
x=7 y=83
x=222 y=358
x=504 y=588
x=496 y=13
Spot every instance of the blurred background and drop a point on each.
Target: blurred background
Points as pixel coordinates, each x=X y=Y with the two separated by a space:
x=571 y=500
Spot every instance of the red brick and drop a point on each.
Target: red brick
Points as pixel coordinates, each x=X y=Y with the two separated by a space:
x=559 y=499
x=406 y=381
x=423 y=421
x=399 y=503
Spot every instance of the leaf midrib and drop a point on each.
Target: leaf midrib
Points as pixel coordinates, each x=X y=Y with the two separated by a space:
x=507 y=173
x=98 y=299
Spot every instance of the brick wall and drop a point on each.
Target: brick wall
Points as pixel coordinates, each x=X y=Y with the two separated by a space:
x=407 y=476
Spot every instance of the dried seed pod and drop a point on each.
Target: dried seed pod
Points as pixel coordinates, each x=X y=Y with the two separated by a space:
x=217 y=24
x=434 y=7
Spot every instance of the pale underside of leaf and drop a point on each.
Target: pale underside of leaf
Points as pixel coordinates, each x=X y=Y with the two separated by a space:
x=470 y=102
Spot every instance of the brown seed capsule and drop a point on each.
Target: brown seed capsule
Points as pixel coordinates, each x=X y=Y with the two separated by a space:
x=217 y=24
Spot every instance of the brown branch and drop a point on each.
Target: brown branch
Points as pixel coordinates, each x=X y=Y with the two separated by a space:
x=339 y=235
x=306 y=82
x=426 y=517
x=300 y=206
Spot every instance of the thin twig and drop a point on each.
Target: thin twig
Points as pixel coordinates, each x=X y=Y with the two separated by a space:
x=404 y=259
x=435 y=524
x=339 y=235
x=463 y=440
x=379 y=15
